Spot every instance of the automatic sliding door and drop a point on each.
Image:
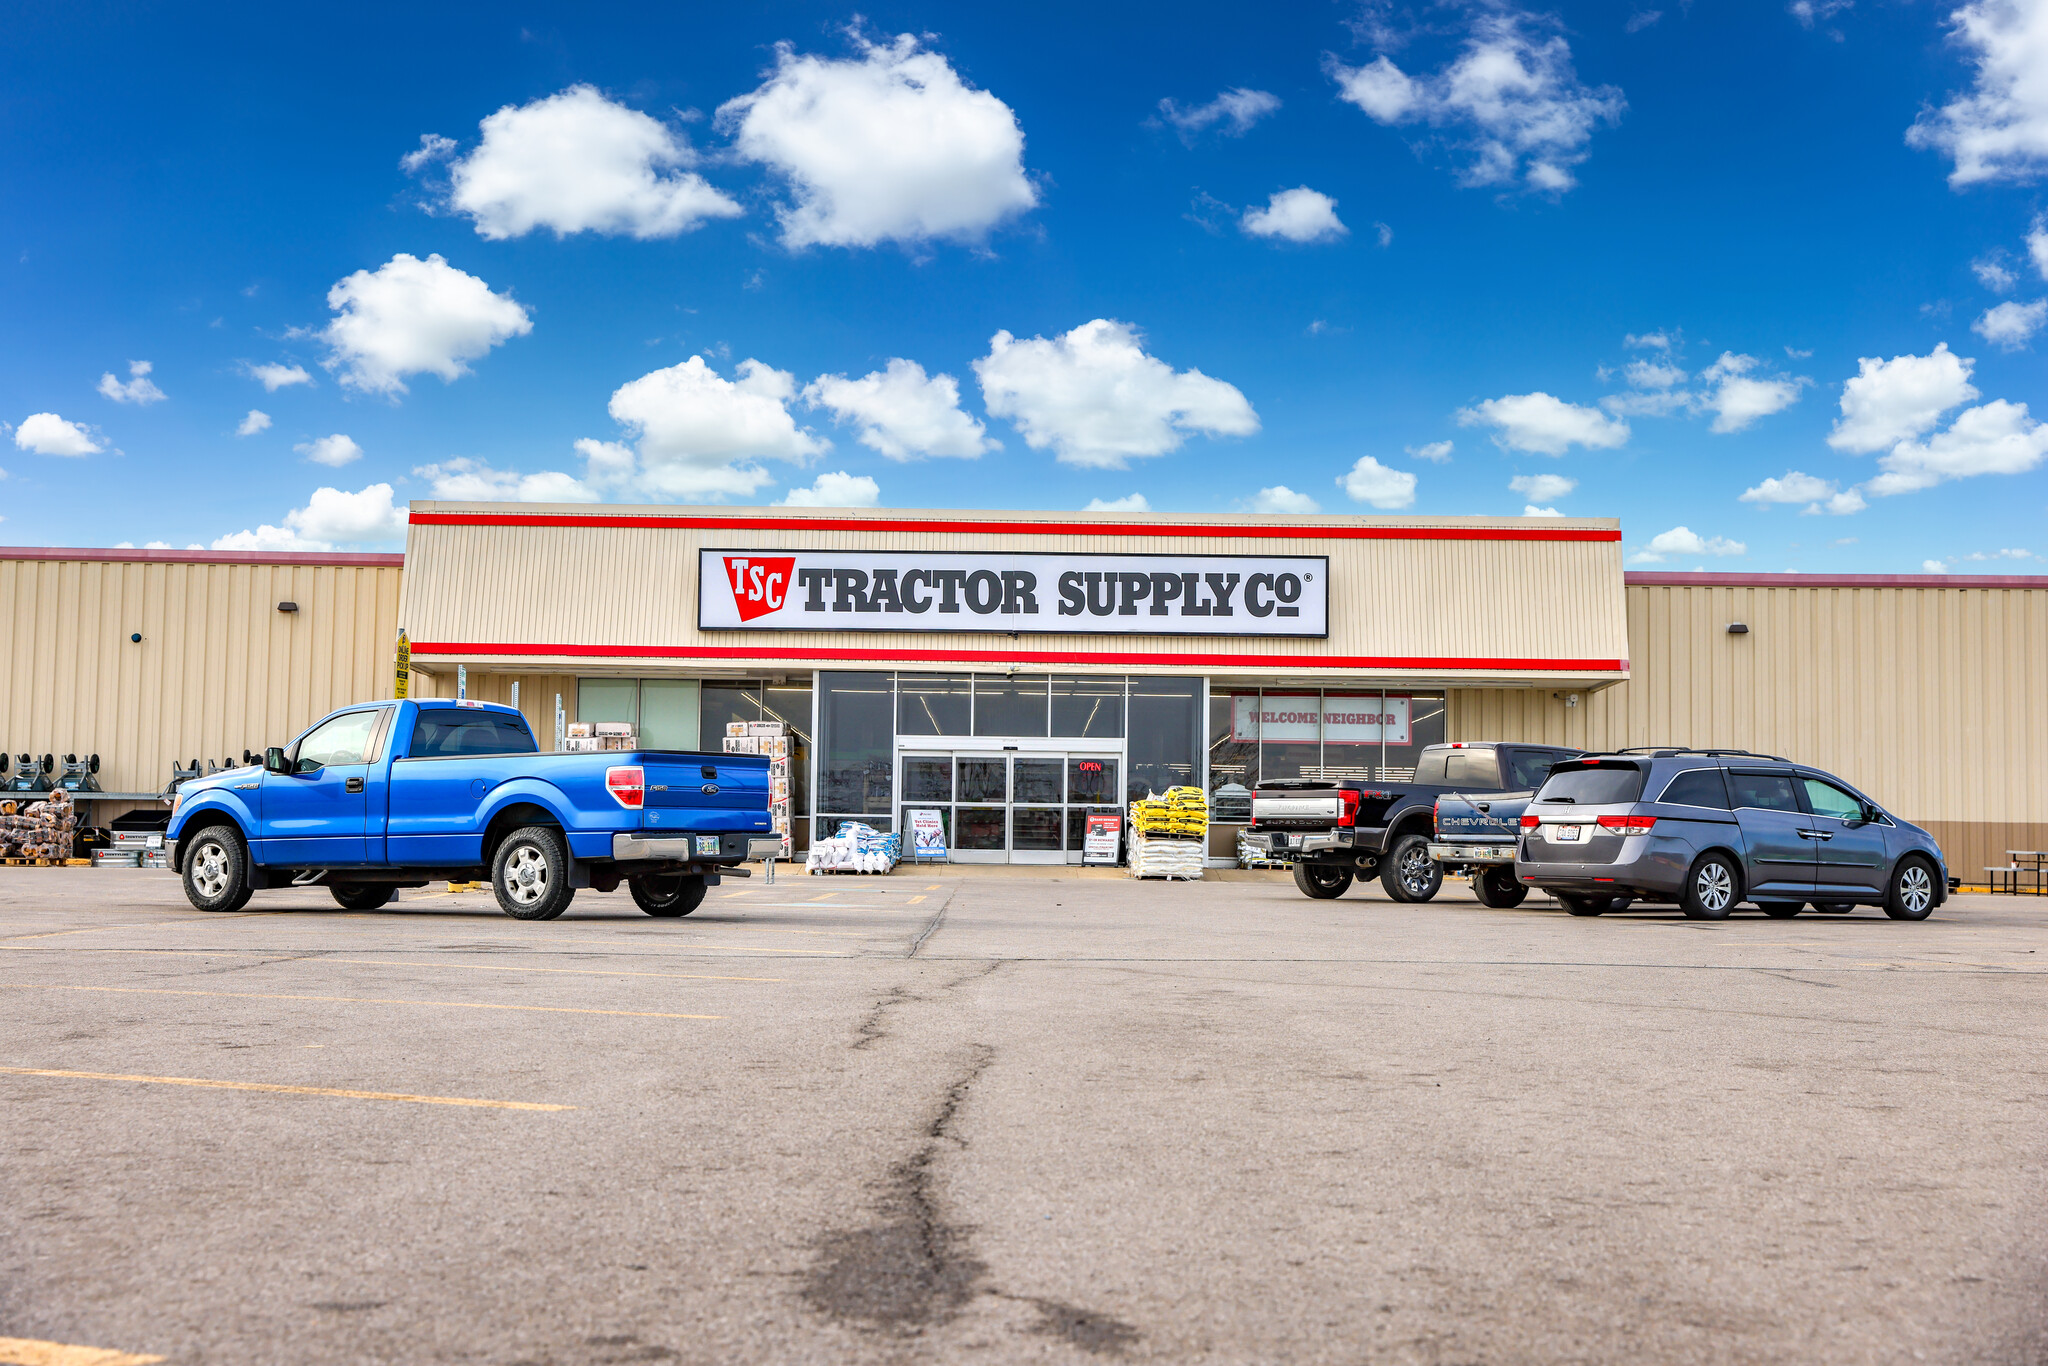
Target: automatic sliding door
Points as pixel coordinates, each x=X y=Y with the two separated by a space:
x=981 y=817
x=1037 y=791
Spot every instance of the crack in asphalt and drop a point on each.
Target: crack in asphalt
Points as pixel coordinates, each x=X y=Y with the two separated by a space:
x=873 y=1025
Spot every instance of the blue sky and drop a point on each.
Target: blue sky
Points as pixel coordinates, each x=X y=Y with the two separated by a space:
x=1756 y=280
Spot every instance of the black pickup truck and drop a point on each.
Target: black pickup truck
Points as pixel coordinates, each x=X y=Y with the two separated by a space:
x=1334 y=831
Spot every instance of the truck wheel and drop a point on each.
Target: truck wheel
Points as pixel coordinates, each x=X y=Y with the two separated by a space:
x=1912 y=891
x=673 y=895
x=1586 y=905
x=361 y=898
x=1834 y=907
x=217 y=871
x=1499 y=889
x=530 y=874
x=1409 y=873
x=1781 y=910
x=1712 y=888
x=1323 y=881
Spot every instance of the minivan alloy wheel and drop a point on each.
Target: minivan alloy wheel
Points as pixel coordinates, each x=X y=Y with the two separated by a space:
x=1715 y=887
x=1912 y=896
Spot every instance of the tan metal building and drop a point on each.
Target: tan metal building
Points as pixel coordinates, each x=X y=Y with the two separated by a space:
x=1016 y=669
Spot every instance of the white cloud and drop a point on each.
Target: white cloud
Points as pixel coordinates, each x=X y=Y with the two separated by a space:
x=256 y=421
x=576 y=162
x=1436 y=452
x=1811 y=12
x=1281 y=498
x=140 y=388
x=890 y=145
x=49 y=434
x=1511 y=99
x=1297 y=215
x=903 y=413
x=1888 y=401
x=1739 y=398
x=330 y=517
x=1842 y=504
x=1994 y=274
x=1542 y=488
x=1652 y=374
x=1795 y=487
x=274 y=376
x=700 y=434
x=1130 y=502
x=1994 y=438
x=1983 y=555
x=336 y=450
x=1374 y=484
x=2037 y=246
x=474 y=481
x=1684 y=541
x=841 y=490
x=1999 y=131
x=1239 y=109
x=1097 y=399
x=1531 y=510
x=1385 y=234
x=1933 y=567
x=2011 y=324
x=1648 y=341
x=415 y=317
x=1544 y=425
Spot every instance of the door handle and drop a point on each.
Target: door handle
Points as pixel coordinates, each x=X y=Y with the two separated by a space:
x=353 y=785
x=1815 y=835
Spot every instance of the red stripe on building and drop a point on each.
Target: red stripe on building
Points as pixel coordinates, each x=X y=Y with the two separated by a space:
x=102 y=556
x=1711 y=580
x=749 y=652
x=968 y=528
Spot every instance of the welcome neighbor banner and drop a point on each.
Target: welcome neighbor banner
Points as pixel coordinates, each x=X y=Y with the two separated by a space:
x=1070 y=594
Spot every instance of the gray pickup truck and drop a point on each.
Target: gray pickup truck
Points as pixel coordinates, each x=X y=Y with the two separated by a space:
x=1477 y=834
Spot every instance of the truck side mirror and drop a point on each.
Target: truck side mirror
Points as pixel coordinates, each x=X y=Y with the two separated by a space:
x=274 y=760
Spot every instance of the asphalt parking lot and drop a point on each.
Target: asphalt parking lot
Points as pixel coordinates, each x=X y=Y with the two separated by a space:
x=936 y=1117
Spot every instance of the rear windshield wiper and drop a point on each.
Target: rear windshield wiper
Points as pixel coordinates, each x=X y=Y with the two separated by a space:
x=1572 y=800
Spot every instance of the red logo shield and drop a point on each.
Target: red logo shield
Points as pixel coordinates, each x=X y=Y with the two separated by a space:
x=760 y=583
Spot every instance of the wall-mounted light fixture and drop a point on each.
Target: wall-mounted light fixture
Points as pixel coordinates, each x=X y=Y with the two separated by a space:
x=136 y=637
x=1738 y=628
x=287 y=607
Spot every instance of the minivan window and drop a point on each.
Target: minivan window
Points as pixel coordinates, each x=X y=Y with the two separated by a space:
x=444 y=734
x=1529 y=767
x=1697 y=787
x=1765 y=791
x=1604 y=785
x=1828 y=800
x=1471 y=768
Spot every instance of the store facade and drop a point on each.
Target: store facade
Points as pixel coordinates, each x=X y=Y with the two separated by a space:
x=1017 y=671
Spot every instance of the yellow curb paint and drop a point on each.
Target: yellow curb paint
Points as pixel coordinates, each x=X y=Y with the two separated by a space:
x=29 y=1352
x=357 y=1000
x=213 y=1085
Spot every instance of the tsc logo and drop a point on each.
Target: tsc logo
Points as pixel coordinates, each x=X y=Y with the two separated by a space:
x=760 y=585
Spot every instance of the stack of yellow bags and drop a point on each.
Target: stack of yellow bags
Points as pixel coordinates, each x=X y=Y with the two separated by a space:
x=1182 y=811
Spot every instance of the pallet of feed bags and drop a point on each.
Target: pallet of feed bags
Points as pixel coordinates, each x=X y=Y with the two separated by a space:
x=1182 y=811
x=857 y=848
x=1166 y=856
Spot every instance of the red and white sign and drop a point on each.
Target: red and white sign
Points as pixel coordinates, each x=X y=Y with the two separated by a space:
x=760 y=583
x=1334 y=719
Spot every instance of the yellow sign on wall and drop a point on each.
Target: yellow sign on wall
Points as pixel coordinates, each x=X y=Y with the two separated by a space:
x=404 y=680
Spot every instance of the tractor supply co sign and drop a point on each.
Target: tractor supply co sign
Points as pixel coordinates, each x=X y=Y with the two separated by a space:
x=1335 y=720
x=841 y=590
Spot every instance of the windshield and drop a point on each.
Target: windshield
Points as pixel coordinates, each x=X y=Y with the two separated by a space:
x=1590 y=785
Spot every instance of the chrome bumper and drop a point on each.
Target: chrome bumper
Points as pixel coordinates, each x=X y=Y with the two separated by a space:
x=1299 y=842
x=1472 y=853
x=627 y=848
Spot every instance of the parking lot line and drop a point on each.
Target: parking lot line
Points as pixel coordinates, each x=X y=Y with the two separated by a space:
x=215 y=1085
x=30 y=1352
x=287 y=956
x=353 y=1000
x=824 y=896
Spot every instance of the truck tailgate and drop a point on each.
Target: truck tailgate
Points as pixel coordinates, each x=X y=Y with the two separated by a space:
x=705 y=791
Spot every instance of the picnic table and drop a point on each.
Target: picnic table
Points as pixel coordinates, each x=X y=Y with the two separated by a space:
x=2025 y=863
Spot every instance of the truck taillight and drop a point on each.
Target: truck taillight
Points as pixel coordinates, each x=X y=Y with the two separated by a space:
x=628 y=785
x=1530 y=822
x=1627 y=825
x=1349 y=801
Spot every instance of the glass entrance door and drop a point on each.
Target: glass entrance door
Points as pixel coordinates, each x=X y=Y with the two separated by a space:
x=1012 y=807
x=981 y=816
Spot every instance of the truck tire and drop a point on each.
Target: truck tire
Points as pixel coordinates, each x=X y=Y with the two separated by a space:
x=1585 y=905
x=674 y=895
x=1323 y=881
x=530 y=874
x=1408 y=873
x=1781 y=910
x=1713 y=888
x=1911 y=894
x=361 y=897
x=217 y=870
x=1499 y=889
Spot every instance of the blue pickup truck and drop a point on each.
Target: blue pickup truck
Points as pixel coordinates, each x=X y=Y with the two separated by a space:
x=385 y=795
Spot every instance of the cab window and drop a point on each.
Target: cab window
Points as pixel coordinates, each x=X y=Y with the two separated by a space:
x=1828 y=800
x=1472 y=768
x=343 y=740
x=1529 y=767
x=446 y=733
x=1763 y=791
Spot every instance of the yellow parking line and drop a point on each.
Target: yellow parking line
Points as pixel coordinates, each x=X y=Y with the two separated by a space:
x=822 y=896
x=914 y=900
x=284 y=1090
x=29 y=1352
x=286 y=957
x=356 y=1000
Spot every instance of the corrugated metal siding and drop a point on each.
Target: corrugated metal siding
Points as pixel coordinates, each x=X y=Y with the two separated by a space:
x=219 y=668
x=1929 y=698
x=537 y=585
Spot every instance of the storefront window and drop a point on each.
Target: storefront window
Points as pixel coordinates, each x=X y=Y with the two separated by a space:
x=1166 y=734
x=1290 y=735
x=790 y=703
x=726 y=701
x=1355 y=726
x=1233 y=738
x=1088 y=708
x=1424 y=715
x=668 y=714
x=933 y=704
x=1009 y=705
x=856 y=746
x=608 y=699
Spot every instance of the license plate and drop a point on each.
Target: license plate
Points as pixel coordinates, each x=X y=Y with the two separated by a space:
x=707 y=845
x=1568 y=834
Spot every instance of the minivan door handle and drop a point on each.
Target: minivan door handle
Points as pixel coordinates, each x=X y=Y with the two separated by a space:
x=1815 y=835
x=353 y=785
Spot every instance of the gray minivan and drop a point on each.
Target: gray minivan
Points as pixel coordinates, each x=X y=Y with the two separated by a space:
x=1710 y=829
